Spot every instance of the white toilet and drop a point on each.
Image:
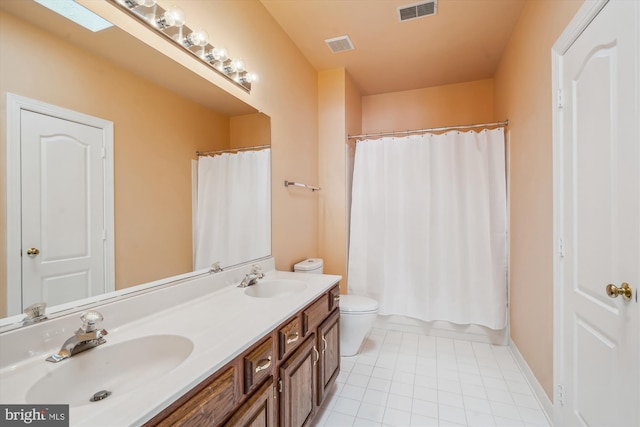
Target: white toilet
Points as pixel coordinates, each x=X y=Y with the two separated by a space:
x=357 y=313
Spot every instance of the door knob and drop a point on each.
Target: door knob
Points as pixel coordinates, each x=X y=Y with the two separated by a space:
x=625 y=290
x=33 y=251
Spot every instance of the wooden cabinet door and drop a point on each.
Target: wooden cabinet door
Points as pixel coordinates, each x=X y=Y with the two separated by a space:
x=258 y=411
x=329 y=346
x=298 y=386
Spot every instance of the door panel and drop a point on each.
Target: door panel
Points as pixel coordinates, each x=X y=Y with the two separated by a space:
x=298 y=376
x=329 y=363
x=601 y=220
x=63 y=209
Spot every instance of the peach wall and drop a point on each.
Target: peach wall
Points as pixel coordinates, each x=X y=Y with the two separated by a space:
x=523 y=95
x=354 y=127
x=156 y=134
x=331 y=165
x=456 y=104
x=339 y=111
x=249 y=130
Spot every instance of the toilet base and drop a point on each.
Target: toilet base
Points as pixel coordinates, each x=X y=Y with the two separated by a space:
x=353 y=330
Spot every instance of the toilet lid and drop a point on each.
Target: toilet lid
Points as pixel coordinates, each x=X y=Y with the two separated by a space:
x=357 y=303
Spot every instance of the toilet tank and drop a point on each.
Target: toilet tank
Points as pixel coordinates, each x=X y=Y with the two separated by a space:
x=311 y=265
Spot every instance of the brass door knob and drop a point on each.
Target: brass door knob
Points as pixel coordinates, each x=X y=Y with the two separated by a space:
x=33 y=251
x=625 y=290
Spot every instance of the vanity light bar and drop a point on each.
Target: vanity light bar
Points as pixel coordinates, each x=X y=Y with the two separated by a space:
x=171 y=24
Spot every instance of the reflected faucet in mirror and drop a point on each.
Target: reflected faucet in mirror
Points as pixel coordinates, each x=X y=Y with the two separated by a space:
x=35 y=313
x=88 y=336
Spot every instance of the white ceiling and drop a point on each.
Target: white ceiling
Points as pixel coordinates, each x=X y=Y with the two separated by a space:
x=464 y=41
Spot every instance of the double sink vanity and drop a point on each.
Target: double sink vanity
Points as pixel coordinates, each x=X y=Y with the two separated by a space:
x=199 y=352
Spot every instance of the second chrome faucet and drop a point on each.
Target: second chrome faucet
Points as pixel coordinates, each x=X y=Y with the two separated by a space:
x=252 y=277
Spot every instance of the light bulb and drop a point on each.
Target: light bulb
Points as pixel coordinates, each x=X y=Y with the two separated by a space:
x=244 y=77
x=172 y=17
x=238 y=65
x=220 y=54
x=196 y=38
x=229 y=67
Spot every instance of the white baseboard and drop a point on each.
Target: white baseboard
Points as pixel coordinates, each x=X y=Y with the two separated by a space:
x=538 y=391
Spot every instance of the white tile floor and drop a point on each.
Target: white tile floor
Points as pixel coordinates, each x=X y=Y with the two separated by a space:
x=406 y=379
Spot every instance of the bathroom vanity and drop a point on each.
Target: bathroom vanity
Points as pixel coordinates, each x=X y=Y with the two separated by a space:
x=281 y=380
x=201 y=352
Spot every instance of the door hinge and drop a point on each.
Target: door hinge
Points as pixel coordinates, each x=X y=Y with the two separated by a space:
x=560 y=394
x=561 y=248
x=104 y=235
x=279 y=385
x=103 y=153
x=559 y=98
x=275 y=392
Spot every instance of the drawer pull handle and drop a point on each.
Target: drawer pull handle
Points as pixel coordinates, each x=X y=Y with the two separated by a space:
x=336 y=298
x=263 y=364
x=317 y=356
x=292 y=338
x=325 y=344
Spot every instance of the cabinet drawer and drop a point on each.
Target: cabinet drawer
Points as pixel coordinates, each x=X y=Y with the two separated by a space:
x=289 y=336
x=312 y=316
x=258 y=364
x=334 y=297
x=209 y=406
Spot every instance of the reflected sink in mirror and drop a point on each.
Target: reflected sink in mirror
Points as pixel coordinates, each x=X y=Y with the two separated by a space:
x=275 y=288
x=117 y=368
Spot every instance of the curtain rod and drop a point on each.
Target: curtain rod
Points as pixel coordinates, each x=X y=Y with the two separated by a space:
x=231 y=150
x=407 y=132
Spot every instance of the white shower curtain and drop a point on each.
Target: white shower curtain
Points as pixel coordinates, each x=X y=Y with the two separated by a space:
x=233 y=208
x=428 y=226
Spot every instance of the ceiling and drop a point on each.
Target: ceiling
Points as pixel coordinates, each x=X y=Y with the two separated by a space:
x=462 y=42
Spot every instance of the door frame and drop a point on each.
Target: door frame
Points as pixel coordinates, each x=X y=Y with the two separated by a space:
x=16 y=104
x=585 y=15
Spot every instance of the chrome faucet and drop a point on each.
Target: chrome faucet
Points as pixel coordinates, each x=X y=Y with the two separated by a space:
x=86 y=337
x=252 y=277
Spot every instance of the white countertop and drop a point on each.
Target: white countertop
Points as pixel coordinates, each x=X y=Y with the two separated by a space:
x=221 y=324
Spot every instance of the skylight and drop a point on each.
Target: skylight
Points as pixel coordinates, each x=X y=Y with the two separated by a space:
x=77 y=13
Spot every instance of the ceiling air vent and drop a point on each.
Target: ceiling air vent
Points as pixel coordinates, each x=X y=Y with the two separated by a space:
x=417 y=10
x=339 y=44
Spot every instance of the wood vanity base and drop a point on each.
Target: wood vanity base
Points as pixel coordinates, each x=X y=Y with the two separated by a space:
x=280 y=381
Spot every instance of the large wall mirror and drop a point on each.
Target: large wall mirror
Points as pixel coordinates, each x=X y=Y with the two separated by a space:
x=162 y=114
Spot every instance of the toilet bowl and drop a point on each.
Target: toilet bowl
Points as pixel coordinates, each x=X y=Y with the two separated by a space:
x=357 y=314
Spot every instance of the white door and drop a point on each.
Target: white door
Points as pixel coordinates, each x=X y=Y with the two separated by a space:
x=599 y=222
x=62 y=210
x=65 y=202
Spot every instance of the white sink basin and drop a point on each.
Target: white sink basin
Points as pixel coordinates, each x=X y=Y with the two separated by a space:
x=116 y=368
x=275 y=288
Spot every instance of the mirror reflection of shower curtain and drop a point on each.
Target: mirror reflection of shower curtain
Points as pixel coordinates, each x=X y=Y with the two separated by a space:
x=428 y=226
x=233 y=221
